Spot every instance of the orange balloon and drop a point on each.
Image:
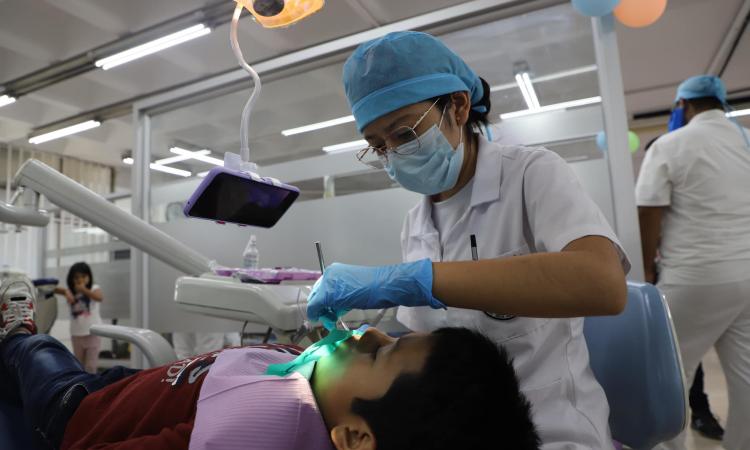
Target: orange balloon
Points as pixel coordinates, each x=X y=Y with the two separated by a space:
x=640 y=13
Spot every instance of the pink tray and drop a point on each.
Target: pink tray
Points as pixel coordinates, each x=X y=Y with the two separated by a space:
x=269 y=276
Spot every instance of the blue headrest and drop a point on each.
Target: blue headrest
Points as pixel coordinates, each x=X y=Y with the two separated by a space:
x=635 y=358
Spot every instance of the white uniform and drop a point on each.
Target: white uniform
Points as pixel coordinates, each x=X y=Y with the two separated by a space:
x=701 y=173
x=522 y=200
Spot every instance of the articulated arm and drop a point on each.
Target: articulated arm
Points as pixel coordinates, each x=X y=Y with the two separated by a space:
x=89 y=206
x=22 y=216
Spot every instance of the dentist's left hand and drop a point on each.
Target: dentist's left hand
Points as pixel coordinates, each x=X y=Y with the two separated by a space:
x=344 y=287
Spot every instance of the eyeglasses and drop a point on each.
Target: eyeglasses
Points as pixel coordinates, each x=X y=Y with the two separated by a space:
x=395 y=141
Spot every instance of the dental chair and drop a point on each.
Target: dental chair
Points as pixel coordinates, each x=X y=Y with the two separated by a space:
x=645 y=388
x=636 y=359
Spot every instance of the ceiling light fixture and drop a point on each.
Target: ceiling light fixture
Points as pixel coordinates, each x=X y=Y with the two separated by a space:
x=62 y=132
x=550 y=77
x=154 y=46
x=6 y=100
x=317 y=126
x=345 y=146
x=553 y=107
x=170 y=170
x=179 y=158
x=281 y=13
x=197 y=155
x=739 y=112
x=90 y=230
x=527 y=90
x=158 y=167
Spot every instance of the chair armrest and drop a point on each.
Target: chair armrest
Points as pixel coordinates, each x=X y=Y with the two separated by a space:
x=156 y=349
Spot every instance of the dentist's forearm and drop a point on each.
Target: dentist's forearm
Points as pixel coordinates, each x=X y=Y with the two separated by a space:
x=585 y=279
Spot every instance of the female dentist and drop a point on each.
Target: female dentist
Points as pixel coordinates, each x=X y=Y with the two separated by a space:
x=547 y=256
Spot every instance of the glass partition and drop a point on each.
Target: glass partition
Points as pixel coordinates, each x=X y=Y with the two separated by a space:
x=553 y=46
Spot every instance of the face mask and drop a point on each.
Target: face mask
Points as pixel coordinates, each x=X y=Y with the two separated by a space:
x=430 y=170
x=677 y=119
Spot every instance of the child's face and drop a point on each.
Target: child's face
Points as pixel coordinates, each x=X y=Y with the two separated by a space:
x=80 y=279
x=365 y=368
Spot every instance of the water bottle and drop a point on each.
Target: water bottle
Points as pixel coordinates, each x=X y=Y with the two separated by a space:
x=250 y=255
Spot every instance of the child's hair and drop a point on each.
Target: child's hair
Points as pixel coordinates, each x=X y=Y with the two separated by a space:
x=82 y=268
x=466 y=397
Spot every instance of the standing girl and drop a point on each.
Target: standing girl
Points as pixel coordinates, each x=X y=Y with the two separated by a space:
x=84 y=298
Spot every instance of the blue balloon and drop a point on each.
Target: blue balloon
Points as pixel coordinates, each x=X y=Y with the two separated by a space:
x=595 y=8
x=601 y=141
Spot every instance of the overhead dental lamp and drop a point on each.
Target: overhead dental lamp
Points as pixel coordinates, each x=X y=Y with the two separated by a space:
x=235 y=193
x=281 y=13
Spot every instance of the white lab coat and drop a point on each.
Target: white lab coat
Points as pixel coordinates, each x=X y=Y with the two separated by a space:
x=524 y=200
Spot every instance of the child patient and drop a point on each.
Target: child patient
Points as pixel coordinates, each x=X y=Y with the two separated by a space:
x=450 y=389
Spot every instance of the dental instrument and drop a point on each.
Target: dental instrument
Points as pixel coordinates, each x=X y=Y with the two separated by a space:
x=322 y=263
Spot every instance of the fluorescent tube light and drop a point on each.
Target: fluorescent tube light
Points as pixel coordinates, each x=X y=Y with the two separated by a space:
x=549 y=77
x=90 y=230
x=524 y=92
x=179 y=158
x=154 y=46
x=318 y=126
x=203 y=174
x=62 y=132
x=6 y=100
x=554 y=107
x=198 y=155
x=169 y=170
x=353 y=145
x=565 y=73
x=530 y=89
x=739 y=112
x=160 y=168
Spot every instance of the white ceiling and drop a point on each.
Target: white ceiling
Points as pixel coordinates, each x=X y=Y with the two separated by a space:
x=34 y=34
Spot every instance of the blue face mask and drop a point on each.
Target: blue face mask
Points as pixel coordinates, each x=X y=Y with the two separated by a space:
x=428 y=165
x=677 y=119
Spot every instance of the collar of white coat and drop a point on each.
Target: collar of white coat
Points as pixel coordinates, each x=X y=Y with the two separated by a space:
x=710 y=115
x=486 y=185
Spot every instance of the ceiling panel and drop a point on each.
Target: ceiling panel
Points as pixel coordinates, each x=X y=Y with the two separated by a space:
x=681 y=44
x=386 y=11
x=737 y=73
x=35 y=33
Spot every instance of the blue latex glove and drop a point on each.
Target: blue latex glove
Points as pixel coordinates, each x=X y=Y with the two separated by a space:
x=344 y=287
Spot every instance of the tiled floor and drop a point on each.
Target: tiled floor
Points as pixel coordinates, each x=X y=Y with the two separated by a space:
x=716 y=389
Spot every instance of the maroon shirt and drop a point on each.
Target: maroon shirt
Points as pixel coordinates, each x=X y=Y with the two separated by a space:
x=153 y=409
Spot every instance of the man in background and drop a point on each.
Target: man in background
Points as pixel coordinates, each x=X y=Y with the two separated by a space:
x=702 y=419
x=693 y=194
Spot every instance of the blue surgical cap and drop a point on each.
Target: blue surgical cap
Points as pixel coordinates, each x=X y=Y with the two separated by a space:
x=702 y=86
x=403 y=68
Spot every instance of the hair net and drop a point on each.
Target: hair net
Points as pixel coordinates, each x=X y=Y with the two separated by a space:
x=403 y=68
x=702 y=86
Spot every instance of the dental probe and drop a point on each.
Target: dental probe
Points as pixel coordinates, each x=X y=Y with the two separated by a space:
x=322 y=263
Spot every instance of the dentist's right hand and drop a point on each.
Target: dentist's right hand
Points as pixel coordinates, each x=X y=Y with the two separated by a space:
x=344 y=287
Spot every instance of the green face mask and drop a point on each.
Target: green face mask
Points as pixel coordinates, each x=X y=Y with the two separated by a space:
x=304 y=364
